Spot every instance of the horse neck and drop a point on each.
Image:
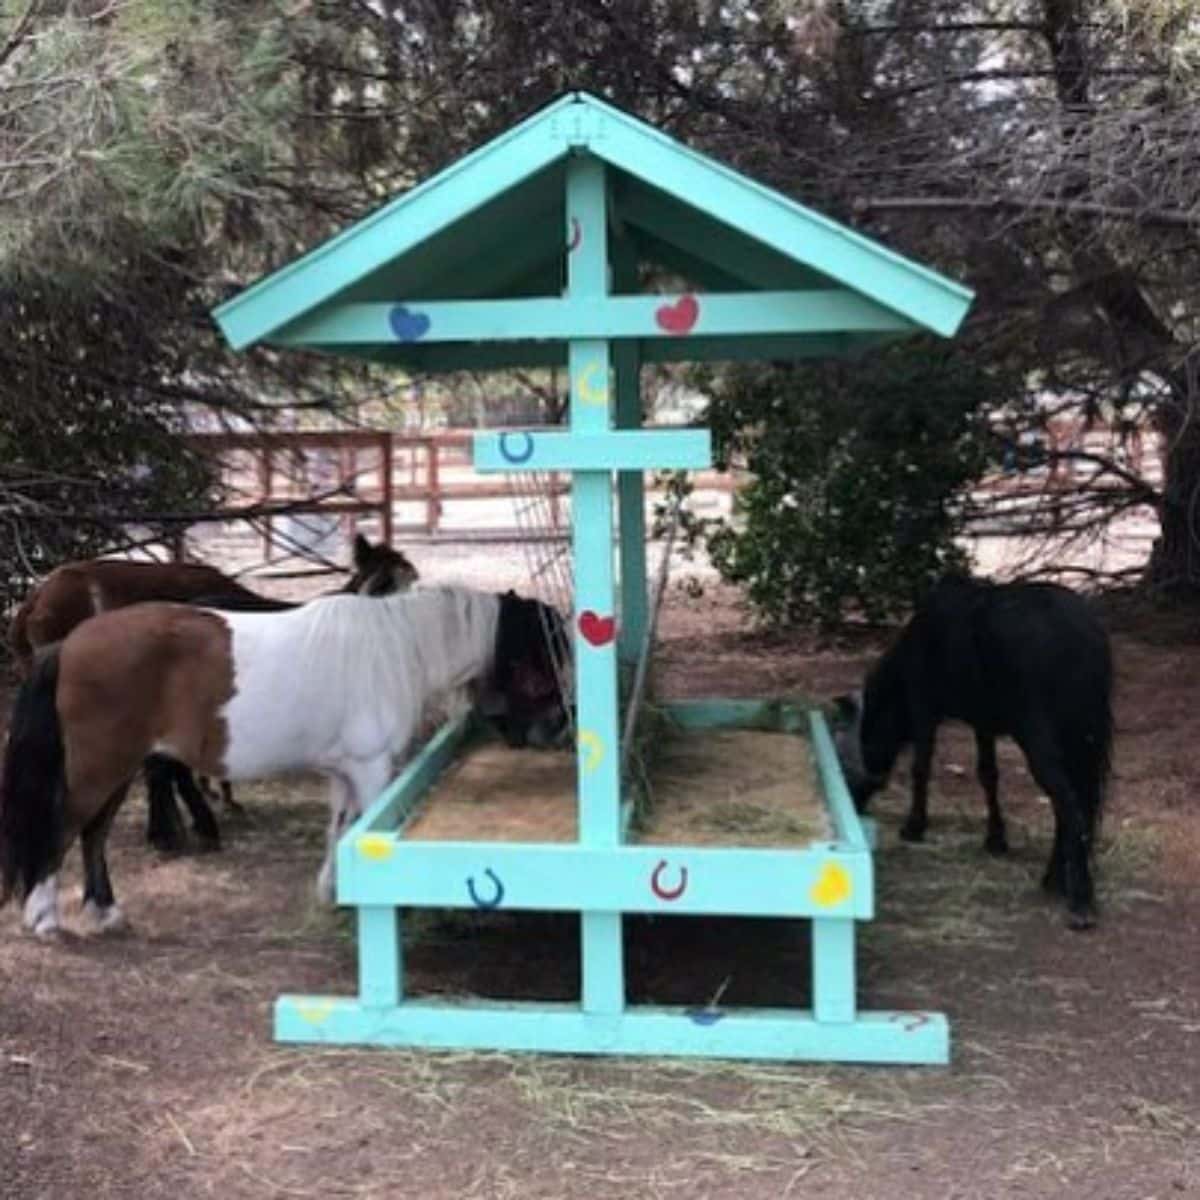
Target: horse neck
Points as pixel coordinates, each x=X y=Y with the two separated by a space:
x=885 y=703
x=444 y=636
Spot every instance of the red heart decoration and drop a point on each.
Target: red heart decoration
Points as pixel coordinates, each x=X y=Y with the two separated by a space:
x=680 y=316
x=598 y=630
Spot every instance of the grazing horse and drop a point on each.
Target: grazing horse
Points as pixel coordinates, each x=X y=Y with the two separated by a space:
x=339 y=685
x=1026 y=660
x=76 y=591
x=379 y=570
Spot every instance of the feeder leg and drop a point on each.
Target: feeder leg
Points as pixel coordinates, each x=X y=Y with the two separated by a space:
x=603 y=963
x=833 y=969
x=380 y=955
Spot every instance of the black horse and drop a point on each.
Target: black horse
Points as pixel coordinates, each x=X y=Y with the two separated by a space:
x=1026 y=660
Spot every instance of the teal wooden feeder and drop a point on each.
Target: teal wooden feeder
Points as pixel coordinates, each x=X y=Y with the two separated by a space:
x=527 y=253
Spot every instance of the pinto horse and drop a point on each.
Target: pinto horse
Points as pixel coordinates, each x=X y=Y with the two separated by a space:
x=339 y=685
x=1026 y=660
x=76 y=591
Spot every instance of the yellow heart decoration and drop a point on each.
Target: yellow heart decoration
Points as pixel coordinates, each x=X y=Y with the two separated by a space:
x=833 y=886
x=378 y=847
x=314 y=1012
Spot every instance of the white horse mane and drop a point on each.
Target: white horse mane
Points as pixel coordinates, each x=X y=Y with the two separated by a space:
x=404 y=651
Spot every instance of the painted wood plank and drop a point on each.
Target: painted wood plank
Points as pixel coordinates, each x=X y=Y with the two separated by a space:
x=599 y=452
x=818 y=880
x=343 y=260
x=789 y=228
x=916 y=1038
x=833 y=979
x=495 y=356
x=703 y=314
x=786 y=716
x=833 y=783
x=380 y=956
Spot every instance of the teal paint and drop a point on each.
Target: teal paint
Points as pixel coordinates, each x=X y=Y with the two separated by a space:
x=705 y=314
x=380 y=956
x=876 y=1037
x=593 y=450
x=591 y=413
x=833 y=982
x=592 y=876
x=467 y=271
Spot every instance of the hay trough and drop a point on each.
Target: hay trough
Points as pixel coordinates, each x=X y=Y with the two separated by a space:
x=726 y=787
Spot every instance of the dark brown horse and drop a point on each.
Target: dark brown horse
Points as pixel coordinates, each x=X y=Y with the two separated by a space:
x=72 y=593
x=340 y=685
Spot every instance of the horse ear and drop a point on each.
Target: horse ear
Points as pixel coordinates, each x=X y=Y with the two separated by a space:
x=362 y=548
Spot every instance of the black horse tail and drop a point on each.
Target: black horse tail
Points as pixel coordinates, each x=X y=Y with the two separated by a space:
x=33 y=788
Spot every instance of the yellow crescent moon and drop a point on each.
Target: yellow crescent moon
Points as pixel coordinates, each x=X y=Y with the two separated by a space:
x=593 y=749
x=590 y=392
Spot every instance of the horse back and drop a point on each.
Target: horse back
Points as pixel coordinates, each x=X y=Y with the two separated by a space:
x=1000 y=655
x=154 y=675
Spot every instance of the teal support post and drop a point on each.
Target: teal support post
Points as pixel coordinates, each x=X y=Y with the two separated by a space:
x=591 y=409
x=631 y=488
x=380 y=956
x=833 y=982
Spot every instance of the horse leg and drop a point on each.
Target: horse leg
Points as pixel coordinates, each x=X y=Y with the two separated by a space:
x=1069 y=864
x=99 y=906
x=988 y=774
x=41 y=907
x=164 y=830
x=204 y=824
x=913 y=829
x=231 y=805
x=355 y=785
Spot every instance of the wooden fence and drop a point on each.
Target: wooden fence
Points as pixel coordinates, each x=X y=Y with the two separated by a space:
x=355 y=474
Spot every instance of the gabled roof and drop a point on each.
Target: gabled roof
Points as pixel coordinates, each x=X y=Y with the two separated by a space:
x=494 y=226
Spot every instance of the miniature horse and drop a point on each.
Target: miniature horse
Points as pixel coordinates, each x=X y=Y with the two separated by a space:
x=76 y=591
x=1027 y=660
x=379 y=570
x=339 y=685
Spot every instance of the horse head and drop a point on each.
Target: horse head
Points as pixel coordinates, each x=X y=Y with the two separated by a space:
x=379 y=570
x=525 y=700
x=867 y=764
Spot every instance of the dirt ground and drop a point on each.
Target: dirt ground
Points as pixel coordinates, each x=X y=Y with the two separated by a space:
x=142 y=1065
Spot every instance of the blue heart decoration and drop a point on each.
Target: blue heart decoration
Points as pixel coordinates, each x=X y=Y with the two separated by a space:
x=704 y=1016
x=407 y=326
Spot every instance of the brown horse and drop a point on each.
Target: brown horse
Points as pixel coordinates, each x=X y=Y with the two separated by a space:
x=340 y=685
x=72 y=593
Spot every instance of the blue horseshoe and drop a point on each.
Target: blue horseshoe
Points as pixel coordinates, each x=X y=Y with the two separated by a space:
x=494 y=902
x=517 y=456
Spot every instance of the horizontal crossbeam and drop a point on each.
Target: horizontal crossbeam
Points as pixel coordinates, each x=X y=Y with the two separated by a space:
x=815 y=881
x=872 y=1037
x=621 y=450
x=705 y=314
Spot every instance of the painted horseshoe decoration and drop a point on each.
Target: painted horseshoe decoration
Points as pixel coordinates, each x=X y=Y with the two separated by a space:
x=524 y=454
x=664 y=893
x=492 y=901
x=576 y=238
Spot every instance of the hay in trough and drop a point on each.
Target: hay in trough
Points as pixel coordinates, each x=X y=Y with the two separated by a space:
x=717 y=787
x=498 y=794
x=734 y=787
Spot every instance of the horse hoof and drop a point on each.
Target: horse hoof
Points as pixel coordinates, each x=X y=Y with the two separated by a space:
x=912 y=833
x=208 y=845
x=104 y=920
x=1077 y=922
x=996 y=845
x=46 y=930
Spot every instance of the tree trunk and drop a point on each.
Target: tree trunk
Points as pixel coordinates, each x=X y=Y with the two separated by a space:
x=1174 y=565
